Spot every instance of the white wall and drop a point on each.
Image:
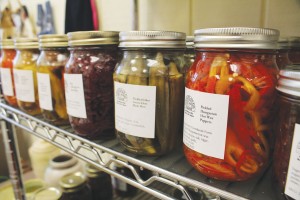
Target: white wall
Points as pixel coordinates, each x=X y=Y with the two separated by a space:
x=186 y=15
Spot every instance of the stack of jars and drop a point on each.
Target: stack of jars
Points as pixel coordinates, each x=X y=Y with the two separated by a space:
x=138 y=86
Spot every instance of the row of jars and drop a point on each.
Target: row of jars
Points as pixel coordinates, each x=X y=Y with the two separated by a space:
x=222 y=107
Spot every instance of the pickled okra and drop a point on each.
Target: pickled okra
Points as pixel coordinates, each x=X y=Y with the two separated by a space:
x=169 y=84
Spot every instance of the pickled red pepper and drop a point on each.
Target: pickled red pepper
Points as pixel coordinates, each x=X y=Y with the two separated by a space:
x=250 y=86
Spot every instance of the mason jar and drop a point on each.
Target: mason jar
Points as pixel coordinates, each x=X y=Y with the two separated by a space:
x=8 y=54
x=294 y=52
x=50 y=72
x=74 y=187
x=286 y=159
x=229 y=102
x=99 y=182
x=24 y=70
x=149 y=89
x=282 y=55
x=89 y=83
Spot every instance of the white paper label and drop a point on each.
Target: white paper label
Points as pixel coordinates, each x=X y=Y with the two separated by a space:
x=292 y=187
x=205 y=122
x=24 y=85
x=44 y=87
x=135 y=109
x=6 y=81
x=75 y=95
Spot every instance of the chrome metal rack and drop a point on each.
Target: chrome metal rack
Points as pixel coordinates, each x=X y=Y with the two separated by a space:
x=171 y=170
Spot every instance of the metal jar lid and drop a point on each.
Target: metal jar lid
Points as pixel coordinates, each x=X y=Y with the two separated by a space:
x=7 y=44
x=49 y=193
x=294 y=42
x=92 y=171
x=72 y=181
x=91 y=38
x=26 y=43
x=152 y=39
x=236 y=37
x=190 y=41
x=289 y=82
x=53 y=40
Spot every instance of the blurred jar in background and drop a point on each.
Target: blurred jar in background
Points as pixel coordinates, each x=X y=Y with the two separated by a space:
x=60 y=166
x=282 y=56
x=294 y=53
x=286 y=159
x=8 y=53
x=99 y=182
x=74 y=187
x=25 y=75
x=50 y=67
x=41 y=152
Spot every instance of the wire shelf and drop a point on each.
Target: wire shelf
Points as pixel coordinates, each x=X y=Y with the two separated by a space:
x=171 y=170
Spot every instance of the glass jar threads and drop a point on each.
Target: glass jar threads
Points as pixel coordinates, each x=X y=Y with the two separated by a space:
x=89 y=83
x=8 y=54
x=229 y=102
x=149 y=89
x=25 y=74
x=286 y=159
x=50 y=67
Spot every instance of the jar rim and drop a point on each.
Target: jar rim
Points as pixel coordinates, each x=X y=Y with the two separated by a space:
x=7 y=44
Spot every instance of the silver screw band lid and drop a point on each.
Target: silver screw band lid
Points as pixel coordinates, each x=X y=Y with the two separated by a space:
x=91 y=38
x=237 y=37
x=7 y=44
x=289 y=82
x=26 y=43
x=53 y=40
x=152 y=39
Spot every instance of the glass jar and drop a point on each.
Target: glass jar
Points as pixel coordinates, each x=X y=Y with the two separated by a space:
x=286 y=159
x=48 y=193
x=294 y=52
x=50 y=67
x=25 y=75
x=100 y=183
x=149 y=89
x=74 y=187
x=282 y=57
x=121 y=188
x=89 y=83
x=7 y=79
x=229 y=102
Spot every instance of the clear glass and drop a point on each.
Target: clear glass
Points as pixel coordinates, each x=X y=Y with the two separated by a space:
x=294 y=55
x=189 y=57
x=288 y=116
x=96 y=64
x=6 y=61
x=249 y=78
x=52 y=61
x=282 y=58
x=26 y=60
x=163 y=69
